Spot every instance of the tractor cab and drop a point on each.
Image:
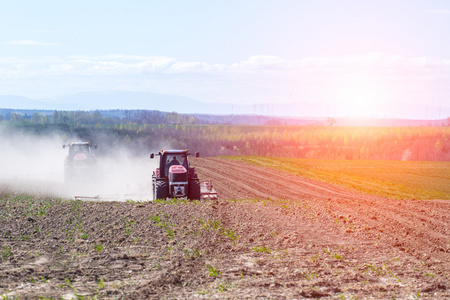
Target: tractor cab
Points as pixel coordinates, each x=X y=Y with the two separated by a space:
x=79 y=148
x=80 y=161
x=174 y=177
x=169 y=158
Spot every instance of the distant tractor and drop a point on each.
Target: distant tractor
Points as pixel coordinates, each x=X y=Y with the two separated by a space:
x=174 y=178
x=80 y=162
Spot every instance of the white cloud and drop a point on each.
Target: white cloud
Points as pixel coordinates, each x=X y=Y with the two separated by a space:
x=117 y=65
x=30 y=43
x=257 y=79
x=260 y=62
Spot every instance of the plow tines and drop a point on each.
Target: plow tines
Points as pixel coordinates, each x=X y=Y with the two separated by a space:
x=207 y=191
x=98 y=197
x=87 y=197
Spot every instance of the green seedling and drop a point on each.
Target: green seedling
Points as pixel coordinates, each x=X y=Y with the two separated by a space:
x=44 y=280
x=4 y=297
x=100 y=284
x=172 y=201
x=262 y=249
x=309 y=275
x=43 y=210
x=192 y=254
x=315 y=257
x=6 y=252
x=225 y=286
x=128 y=226
x=155 y=219
x=167 y=226
x=213 y=224
x=23 y=238
x=135 y=202
x=231 y=234
x=213 y=272
x=156 y=266
x=67 y=283
x=374 y=268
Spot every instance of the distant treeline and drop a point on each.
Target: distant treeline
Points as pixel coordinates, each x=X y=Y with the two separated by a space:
x=111 y=117
x=145 y=131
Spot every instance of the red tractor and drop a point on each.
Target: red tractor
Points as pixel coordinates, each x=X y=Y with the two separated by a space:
x=80 y=162
x=175 y=178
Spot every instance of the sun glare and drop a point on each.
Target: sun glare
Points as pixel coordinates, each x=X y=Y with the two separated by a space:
x=359 y=98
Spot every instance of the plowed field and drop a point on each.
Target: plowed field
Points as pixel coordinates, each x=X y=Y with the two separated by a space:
x=272 y=235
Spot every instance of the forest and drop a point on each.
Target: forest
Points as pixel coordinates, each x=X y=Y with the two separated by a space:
x=143 y=131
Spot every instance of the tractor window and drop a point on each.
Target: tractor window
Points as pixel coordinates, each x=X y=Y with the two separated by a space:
x=173 y=160
x=80 y=149
x=75 y=149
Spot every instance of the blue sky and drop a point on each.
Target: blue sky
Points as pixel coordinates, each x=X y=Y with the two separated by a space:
x=359 y=55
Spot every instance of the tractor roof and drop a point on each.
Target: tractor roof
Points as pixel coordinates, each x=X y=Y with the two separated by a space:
x=174 y=151
x=79 y=143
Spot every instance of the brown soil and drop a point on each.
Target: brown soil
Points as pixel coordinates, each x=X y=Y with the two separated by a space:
x=300 y=239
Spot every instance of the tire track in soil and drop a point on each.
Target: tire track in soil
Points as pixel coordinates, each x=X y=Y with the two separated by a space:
x=419 y=227
x=258 y=184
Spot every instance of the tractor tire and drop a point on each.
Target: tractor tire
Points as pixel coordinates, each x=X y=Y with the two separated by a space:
x=154 y=190
x=154 y=187
x=161 y=190
x=194 y=190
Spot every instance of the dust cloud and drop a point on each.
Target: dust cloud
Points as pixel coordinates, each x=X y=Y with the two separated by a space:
x=34 y=164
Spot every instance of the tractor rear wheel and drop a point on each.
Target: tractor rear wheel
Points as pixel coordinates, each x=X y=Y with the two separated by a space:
x=154 y=189
x=194 y=190
x=161 y=190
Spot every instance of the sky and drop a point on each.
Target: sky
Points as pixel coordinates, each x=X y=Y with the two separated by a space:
x=360 y=58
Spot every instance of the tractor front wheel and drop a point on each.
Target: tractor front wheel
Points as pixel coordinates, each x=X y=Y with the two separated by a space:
x=194 y=190
x=161 y=190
